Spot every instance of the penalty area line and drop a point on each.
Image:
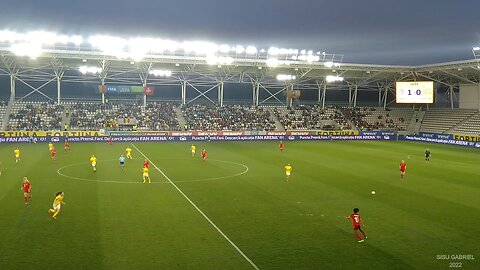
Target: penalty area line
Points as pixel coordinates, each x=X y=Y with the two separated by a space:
x=201 y=212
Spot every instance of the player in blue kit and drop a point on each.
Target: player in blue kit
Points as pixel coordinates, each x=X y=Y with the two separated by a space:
x=122 y=161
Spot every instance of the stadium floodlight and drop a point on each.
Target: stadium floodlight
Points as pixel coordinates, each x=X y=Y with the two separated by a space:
x=331 y=78
x=273 y=51
x=284 y=51
x=224 y=48
x=155 y=45
x=211 y=59
x=272 y=62
x=10 y=36
x=110 y=45
x=239 y=49
x=199 y=47
x=284 y=77
x=219 y=60
x=32 y=50
x=476 y=48
x=90 y=70
x=75 y=39
x=160 y=73
x=251 y=50
x=139 y=47
x=312 y=58
x=328 y=64
x=41 y=37
x=226 y=60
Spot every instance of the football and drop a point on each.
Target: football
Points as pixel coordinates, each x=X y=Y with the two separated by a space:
x=373 y=192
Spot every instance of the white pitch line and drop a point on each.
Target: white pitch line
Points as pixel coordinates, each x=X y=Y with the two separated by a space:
x=201 y=212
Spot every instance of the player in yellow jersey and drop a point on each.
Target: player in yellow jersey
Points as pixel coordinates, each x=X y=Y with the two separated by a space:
x=93 y=161
x=193 y=148
x=145 y=175
x=288 y=170
x=17 y=155
x=57 y=204
x=129 y=152
x=50 y=146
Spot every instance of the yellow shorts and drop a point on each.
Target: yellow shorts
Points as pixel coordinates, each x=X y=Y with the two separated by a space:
x=287 y=173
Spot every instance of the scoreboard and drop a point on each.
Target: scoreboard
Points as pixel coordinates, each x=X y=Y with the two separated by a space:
x=414 y=92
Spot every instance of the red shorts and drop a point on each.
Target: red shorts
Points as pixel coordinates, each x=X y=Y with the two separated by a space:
x=356 y=227
x=402 y=171
x=26 y=191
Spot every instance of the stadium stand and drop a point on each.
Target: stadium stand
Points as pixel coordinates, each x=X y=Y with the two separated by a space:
x=441 y=120
x=229 y=117
x=311 y=117
x=31 y=115
x=155 y=116
x=92 y=116
x=376 y=118
x=471 y=126
x=158 y=116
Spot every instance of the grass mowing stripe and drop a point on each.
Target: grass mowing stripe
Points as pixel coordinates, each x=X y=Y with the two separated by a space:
x=201 y=212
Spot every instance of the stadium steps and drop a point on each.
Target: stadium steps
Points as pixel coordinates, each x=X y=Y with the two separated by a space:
x=278 y=125
x=469 y=126
x=442 y=120
x=66 y=117
x=415 y=122
x=6 y=116
x=180 y=118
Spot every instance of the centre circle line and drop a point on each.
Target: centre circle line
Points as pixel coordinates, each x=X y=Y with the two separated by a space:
x=246 y=169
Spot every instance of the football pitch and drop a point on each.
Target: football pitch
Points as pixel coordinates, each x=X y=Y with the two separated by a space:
x=237 y=211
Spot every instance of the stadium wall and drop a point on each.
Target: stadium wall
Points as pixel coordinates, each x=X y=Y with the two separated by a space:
x=469 y=96
x=192 y=136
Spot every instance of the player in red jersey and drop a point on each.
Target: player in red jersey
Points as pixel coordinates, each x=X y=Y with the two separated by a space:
x=357 y=223
x=54 y=154
x=403 y=168
x=67 y=146
x=27 y=188
x=204 y=155
x=110 y=140
x=146 y=164
x=281 y=146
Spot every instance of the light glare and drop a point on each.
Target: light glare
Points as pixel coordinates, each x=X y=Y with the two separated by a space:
x=331 y=78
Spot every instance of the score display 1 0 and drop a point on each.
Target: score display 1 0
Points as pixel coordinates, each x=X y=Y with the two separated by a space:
x=414 y=92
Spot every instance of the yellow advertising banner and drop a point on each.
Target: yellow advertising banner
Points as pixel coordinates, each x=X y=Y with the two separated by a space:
x=337 y=133
x=467 y=138
x=12 y=134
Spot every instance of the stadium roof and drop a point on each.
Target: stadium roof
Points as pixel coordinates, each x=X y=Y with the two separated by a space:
x=65 y=63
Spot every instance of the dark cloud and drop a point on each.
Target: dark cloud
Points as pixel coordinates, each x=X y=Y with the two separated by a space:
x=373 y=31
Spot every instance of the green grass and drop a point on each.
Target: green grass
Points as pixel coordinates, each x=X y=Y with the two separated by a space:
x=112 y=221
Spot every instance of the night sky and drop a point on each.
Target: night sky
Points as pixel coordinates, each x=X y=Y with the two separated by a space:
x=403 y=32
